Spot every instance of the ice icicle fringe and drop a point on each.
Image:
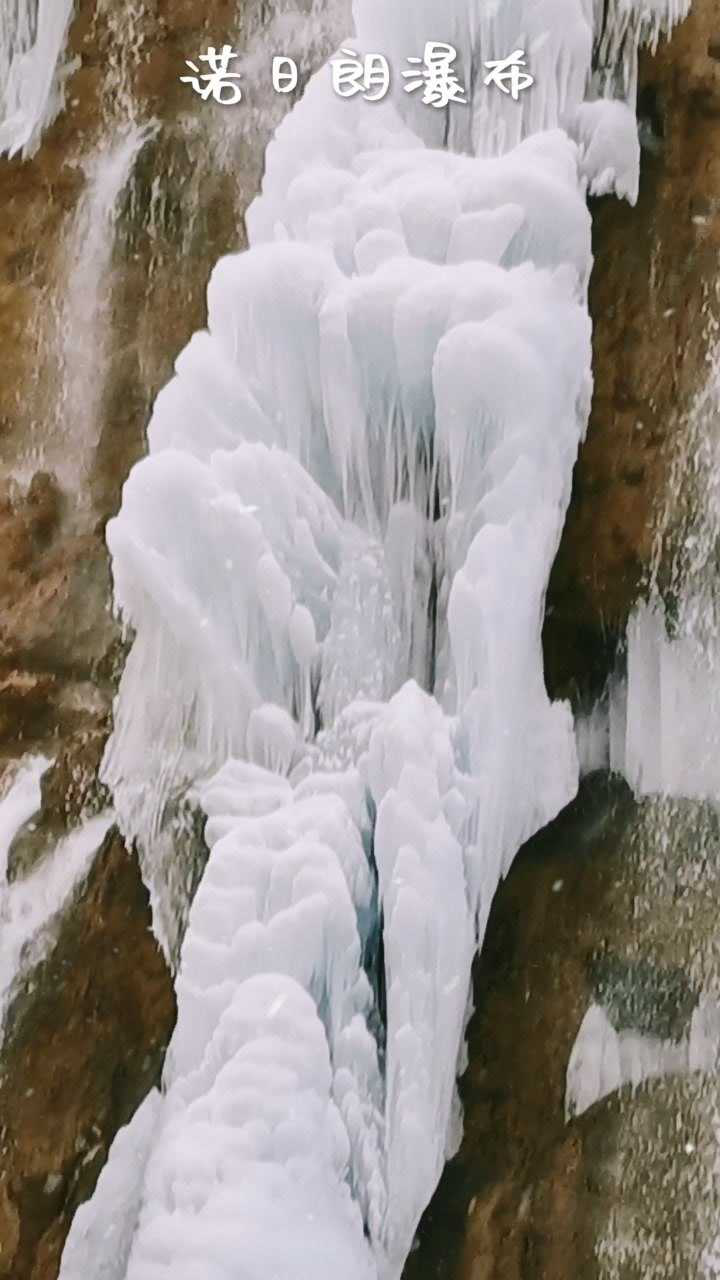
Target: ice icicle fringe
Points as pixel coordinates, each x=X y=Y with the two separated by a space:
x=668 y=709
x=604 y=1059
x=333 y=565
x=585 y=55
x=32 y=42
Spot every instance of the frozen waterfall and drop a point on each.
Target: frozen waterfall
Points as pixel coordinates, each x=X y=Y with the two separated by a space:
x=32 y=70
x=333 y=564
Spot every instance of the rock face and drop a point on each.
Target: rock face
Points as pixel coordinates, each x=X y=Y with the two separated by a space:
x=654 y=308
x=612 y=906
x=86 y=1038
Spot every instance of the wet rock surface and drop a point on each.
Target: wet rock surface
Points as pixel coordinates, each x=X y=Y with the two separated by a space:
x=614 y=904
x=85 y=1040
x=653 y=300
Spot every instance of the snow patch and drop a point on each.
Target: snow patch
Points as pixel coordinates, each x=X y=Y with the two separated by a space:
x=603 y=1059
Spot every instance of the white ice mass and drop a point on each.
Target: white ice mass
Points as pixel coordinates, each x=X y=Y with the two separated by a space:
x=604 y=1058
x=333 y=565
x=32 y=70
x=665 y=714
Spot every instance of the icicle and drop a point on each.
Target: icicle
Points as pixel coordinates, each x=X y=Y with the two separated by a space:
x=668 y=723
x=32 y=40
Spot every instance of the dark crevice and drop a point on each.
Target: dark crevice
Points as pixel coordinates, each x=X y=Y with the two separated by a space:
x=372 y=930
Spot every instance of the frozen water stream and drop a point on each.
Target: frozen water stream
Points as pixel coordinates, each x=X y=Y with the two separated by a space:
x=32 y=906
x=333 y=562
x=32 y=69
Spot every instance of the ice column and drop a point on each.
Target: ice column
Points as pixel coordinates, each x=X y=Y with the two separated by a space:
x=32 y=43
x=333 y=565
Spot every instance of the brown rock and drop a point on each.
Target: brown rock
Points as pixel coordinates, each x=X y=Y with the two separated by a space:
x=85 y=1043
x=613 y=904
x=60 y=620
x=25 y=705
x=652 y=297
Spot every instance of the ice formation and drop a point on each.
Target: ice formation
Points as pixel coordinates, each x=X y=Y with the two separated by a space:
x=32 y=70
x=101 y=1232
x=20 y=802
x=32 y=905
x=333 y=565
x=604 y=1059
x=672 y=733
x=664 y=715
x=287 y=556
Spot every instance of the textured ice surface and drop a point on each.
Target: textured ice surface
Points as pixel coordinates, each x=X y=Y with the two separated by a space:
x=668 y=710
x=350 y=524
x=556 y=37
x=32 y=43
x=592 y=738
x=333 y=564
x=254 y=555
x=607 y=134
x=422 y=804
x=247 y=1177
x=604 y=1059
